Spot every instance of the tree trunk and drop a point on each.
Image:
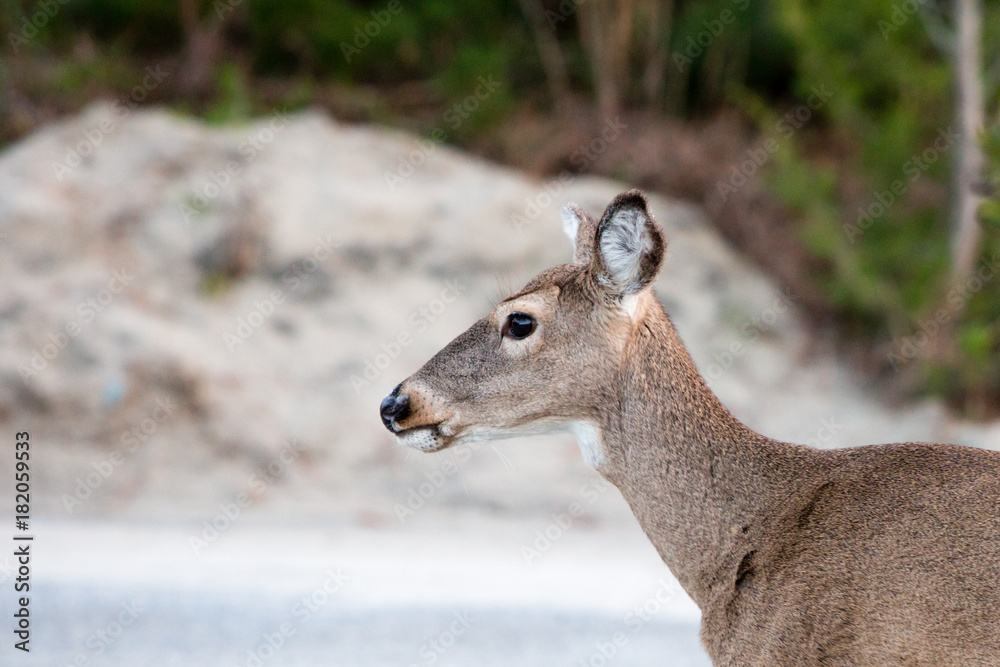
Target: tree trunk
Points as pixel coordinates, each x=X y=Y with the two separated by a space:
x=968 y=169
x=658 y=14
x=201 y=51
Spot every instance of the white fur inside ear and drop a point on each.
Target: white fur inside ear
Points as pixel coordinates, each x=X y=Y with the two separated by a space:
x=570 y=222
x=623 y=243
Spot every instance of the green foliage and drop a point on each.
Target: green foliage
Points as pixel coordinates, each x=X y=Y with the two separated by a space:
x=868 y=171
x=990 y=211
x=479 y=95
x=881 y=225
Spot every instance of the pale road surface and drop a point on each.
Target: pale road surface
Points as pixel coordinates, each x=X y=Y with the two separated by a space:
x=133 y=595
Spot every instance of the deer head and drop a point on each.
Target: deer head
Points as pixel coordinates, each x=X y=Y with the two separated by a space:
x=548 y=357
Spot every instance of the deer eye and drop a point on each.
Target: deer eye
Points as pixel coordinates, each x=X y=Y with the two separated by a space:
x=518 y=326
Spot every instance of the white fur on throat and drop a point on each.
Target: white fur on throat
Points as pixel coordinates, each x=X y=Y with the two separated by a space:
x=588 y=436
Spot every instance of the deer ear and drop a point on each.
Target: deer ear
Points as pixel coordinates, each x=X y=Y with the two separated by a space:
x=581 y=230
x=630 y=245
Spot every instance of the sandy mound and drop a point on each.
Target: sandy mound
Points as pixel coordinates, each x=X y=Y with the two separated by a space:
x=195 y=315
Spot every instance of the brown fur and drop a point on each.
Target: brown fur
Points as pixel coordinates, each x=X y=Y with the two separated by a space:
x=879 y=555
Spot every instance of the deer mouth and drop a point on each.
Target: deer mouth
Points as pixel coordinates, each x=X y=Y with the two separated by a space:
x=426 y=438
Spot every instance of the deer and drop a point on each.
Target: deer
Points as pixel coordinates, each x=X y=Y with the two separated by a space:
x=874 y=555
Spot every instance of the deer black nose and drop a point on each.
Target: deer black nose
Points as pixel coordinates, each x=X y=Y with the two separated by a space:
x=394 y=406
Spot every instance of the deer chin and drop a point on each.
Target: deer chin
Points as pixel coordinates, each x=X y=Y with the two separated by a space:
x=426 y=439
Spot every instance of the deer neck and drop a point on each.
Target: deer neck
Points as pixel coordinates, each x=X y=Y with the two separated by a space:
x=700 y=482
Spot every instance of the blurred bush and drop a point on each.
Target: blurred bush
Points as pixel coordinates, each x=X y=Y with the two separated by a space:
x=869 y=175
x=874 y=183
